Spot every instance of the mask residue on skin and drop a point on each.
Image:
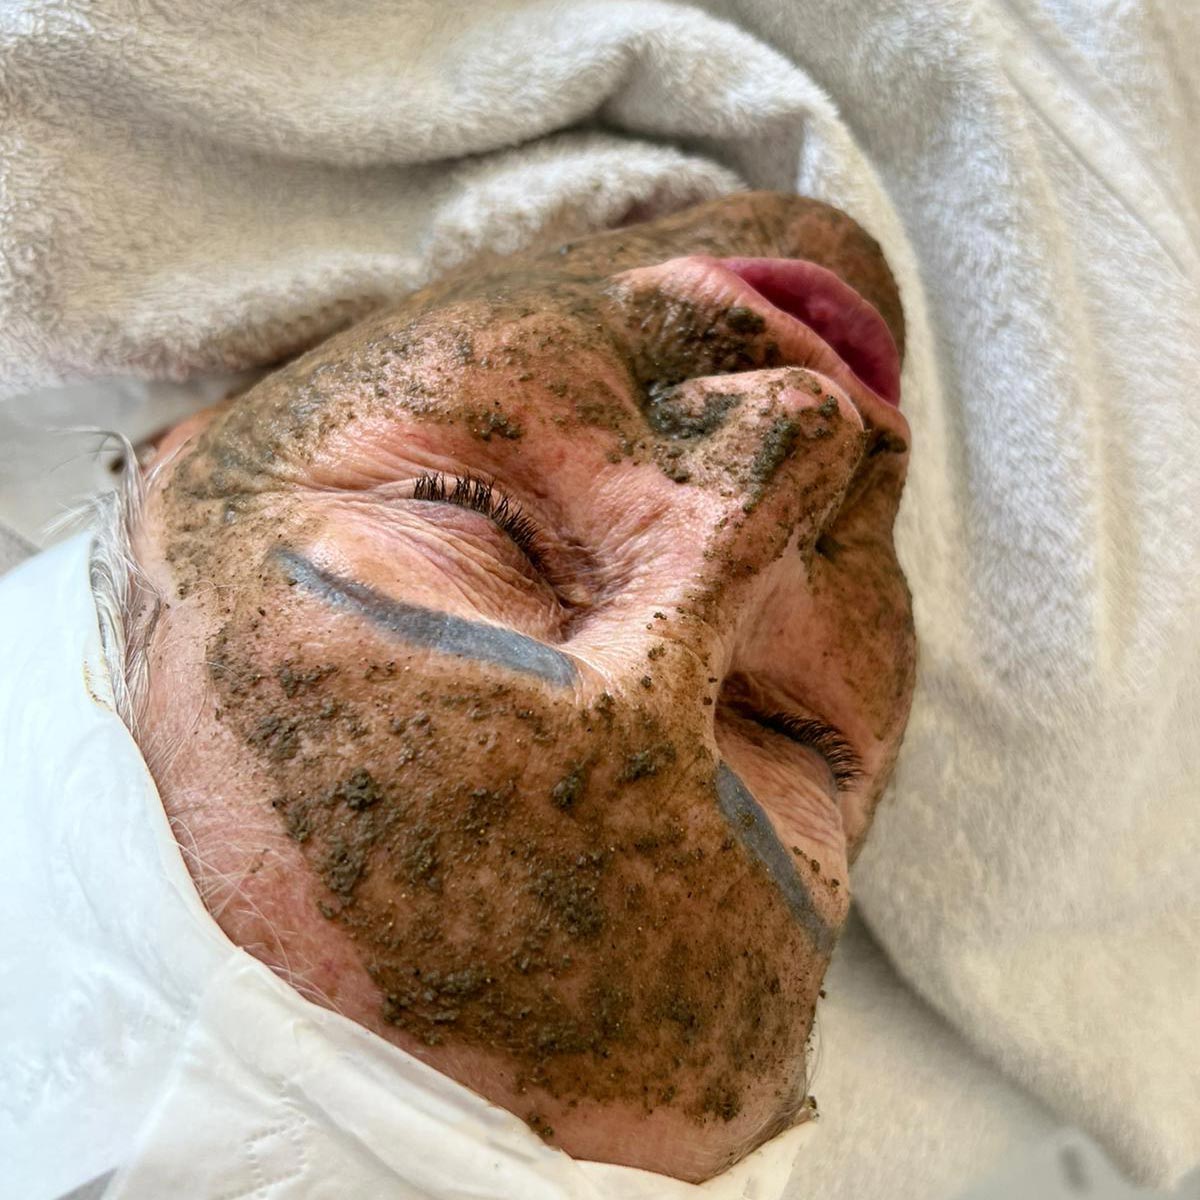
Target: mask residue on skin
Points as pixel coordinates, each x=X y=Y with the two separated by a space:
x=530 y=911
x=550 y=883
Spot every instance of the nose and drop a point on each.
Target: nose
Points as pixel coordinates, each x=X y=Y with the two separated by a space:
x=769 y=477
x=698 y=316
x=754 y=412
x=777 y=451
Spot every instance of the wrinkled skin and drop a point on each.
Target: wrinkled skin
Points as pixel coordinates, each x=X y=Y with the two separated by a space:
x=514 y=843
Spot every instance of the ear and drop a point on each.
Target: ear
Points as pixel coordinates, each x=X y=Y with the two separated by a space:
x=158 y=447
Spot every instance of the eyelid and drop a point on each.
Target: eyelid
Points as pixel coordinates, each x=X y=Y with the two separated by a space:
x=563 y=569
x=483 y=496
x=843 y=760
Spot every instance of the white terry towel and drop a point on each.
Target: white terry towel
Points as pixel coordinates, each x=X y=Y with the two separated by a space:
x=196 y=190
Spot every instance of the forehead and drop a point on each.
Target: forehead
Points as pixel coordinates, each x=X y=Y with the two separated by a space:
x=559 y=850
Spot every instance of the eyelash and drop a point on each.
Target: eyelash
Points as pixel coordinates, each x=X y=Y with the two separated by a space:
x=482 y=496
x=843 y=760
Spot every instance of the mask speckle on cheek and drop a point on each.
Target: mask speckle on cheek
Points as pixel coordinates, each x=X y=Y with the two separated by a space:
x=487 y=423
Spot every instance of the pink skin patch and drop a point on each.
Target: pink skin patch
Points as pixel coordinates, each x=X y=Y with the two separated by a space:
x=833 y=310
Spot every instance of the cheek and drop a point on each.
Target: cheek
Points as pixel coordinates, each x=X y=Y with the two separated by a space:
x=543 y=882
x=838 y=634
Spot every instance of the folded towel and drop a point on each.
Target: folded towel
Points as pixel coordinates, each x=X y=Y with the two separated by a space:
x=184 y=195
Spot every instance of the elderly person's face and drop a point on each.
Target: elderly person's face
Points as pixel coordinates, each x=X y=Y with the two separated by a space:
x=535 y=655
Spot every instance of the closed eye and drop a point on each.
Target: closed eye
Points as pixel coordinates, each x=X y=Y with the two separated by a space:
x=844 y=761
x=483 y=496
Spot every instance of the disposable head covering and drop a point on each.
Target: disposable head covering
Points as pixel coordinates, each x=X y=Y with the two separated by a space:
x=143 y=1048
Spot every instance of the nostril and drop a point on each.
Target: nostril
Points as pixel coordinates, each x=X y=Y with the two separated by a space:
x=828 y=547
x=883 y=442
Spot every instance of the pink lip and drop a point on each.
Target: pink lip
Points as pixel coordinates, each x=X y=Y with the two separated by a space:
x=852 y=328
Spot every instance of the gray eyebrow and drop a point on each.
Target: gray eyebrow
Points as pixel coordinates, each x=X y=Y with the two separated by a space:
x=755 y=831
x=428 y=627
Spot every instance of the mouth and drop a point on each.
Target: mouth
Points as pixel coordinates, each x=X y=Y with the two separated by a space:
x=851 y=327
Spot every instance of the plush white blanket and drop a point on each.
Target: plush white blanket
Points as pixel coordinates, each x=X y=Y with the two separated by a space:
x=188 y=189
